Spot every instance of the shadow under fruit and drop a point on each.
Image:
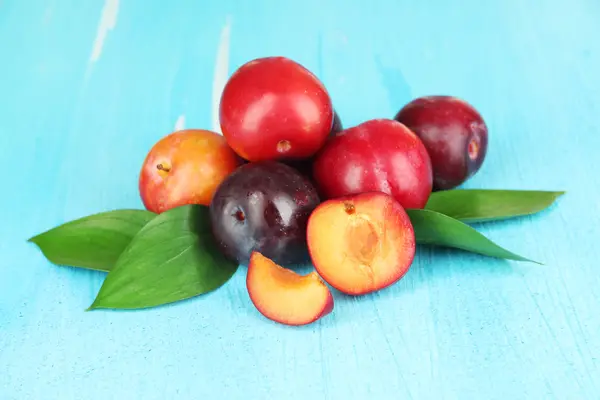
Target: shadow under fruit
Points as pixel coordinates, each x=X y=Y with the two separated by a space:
x=263 y=206
x=305 y=165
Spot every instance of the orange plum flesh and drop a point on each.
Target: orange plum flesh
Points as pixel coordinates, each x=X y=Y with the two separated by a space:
x=284 y=296
x=361 y=243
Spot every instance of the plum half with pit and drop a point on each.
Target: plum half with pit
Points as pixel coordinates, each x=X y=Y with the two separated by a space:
x=454 y=133
x=264 y=207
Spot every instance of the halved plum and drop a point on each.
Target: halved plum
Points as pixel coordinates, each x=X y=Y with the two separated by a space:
x=361 y=243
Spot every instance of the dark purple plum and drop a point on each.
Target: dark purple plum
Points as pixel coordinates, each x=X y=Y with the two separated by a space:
x=454 y=133
x=263 y=206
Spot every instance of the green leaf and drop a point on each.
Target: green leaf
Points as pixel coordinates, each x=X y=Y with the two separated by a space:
x=172 y=258
x=92 y=242
x=479 y=205
x=433 y=228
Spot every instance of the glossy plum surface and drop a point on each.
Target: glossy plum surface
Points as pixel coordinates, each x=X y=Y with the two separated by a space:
x=378 y=155
x=273 y=108
x=185 y=167
x=263 y=206
x=454 y=133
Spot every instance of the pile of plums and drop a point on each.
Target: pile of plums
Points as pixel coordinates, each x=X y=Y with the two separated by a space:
x=287 y=184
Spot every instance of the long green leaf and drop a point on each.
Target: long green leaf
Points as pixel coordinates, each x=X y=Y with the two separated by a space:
x=172 y=258
x=479 y=205
x=433 y=228
x=92 y=242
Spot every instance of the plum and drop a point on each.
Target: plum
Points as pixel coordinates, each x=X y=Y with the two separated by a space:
x=185 y=167
x=361 y=243
x=273 y=108
x=454 y=133
x=263 y=206
x=377 y=155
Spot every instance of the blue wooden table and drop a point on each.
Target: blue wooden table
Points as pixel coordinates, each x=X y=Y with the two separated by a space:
x=86 y=87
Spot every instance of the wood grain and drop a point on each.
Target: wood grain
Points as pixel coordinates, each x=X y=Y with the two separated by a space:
x=88 y=86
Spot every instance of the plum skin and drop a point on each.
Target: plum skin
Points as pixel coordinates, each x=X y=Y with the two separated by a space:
x=273 y=108
x=263 y=206
x=185 y=167
x=377 y=155
x=454 y=133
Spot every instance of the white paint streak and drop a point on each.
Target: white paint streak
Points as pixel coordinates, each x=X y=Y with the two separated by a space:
x=180 y=123
x=108 y=20
x=221 y=73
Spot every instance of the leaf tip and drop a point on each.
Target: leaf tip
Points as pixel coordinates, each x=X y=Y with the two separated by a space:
x=33 y=239
x=523 y=259
x=93 y=306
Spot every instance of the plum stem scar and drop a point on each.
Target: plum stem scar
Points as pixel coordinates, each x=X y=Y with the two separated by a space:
x=161 y=167
x=284 y=146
